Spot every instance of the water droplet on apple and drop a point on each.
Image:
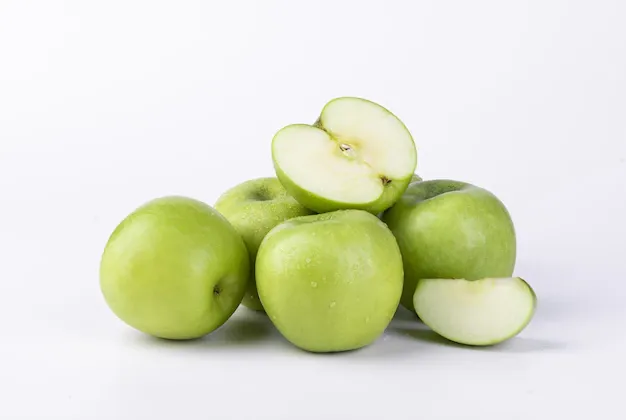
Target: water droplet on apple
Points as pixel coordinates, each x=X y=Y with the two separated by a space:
x=332 y=304
x=308 y=260
x=367 y=319
x=314 y=284
x=274 y=317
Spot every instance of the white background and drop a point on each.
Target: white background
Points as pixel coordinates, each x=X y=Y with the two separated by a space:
x=104 y=105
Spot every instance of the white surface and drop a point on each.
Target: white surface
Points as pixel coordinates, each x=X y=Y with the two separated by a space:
x=104 y=105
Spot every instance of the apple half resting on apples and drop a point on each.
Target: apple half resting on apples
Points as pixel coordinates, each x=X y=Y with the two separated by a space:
x=477 y=312
x=358 y=155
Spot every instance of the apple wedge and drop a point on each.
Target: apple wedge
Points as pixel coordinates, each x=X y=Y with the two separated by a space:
x=478 y=312
x=358 y=155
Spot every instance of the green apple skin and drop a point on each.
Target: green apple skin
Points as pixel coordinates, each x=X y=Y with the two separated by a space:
x=254 y=207
x=323 y=205
x=330 y=282
x=174 y=268
x=451 y=229
x=414 y=178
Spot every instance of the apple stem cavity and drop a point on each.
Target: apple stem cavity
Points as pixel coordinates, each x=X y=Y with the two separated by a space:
x=262 y=195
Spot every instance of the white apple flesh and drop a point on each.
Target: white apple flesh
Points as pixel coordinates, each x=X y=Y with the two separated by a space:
x=478 y=312
x=357 y=155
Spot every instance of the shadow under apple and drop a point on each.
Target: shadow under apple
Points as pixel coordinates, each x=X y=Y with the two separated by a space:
x=513 y=345
x=240 y=331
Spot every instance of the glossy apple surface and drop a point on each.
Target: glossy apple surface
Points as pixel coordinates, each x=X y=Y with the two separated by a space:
x=330 y=282
x=254 y=207
x=174 y=268
x=451 y=229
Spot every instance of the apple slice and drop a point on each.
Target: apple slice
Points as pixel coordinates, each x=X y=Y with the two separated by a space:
x=478 y=312
x=357 y=155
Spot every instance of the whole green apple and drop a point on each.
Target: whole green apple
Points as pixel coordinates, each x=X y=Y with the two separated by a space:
x=330 y=282
x=453 y=230
x=254 y=208
x=357 y=155
x=174 y=268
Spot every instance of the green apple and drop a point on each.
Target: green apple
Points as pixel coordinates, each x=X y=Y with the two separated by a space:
x=451 y=229
x=358 y=155
x=254 y=208
x=330 y=282
x=479 y=312
x=174 y=268
x=414 y=178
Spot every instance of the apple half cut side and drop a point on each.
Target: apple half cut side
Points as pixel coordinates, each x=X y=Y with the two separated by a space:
x=478 y=312
x=358 y=155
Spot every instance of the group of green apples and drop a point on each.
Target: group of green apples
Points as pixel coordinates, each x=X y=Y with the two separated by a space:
x=328 y=249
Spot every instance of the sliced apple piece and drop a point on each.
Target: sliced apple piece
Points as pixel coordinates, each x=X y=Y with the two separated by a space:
x=478 y=312
x=357 y=155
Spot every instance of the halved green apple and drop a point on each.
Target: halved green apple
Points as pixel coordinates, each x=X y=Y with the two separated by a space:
x=357 y=155
x=478 y=312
